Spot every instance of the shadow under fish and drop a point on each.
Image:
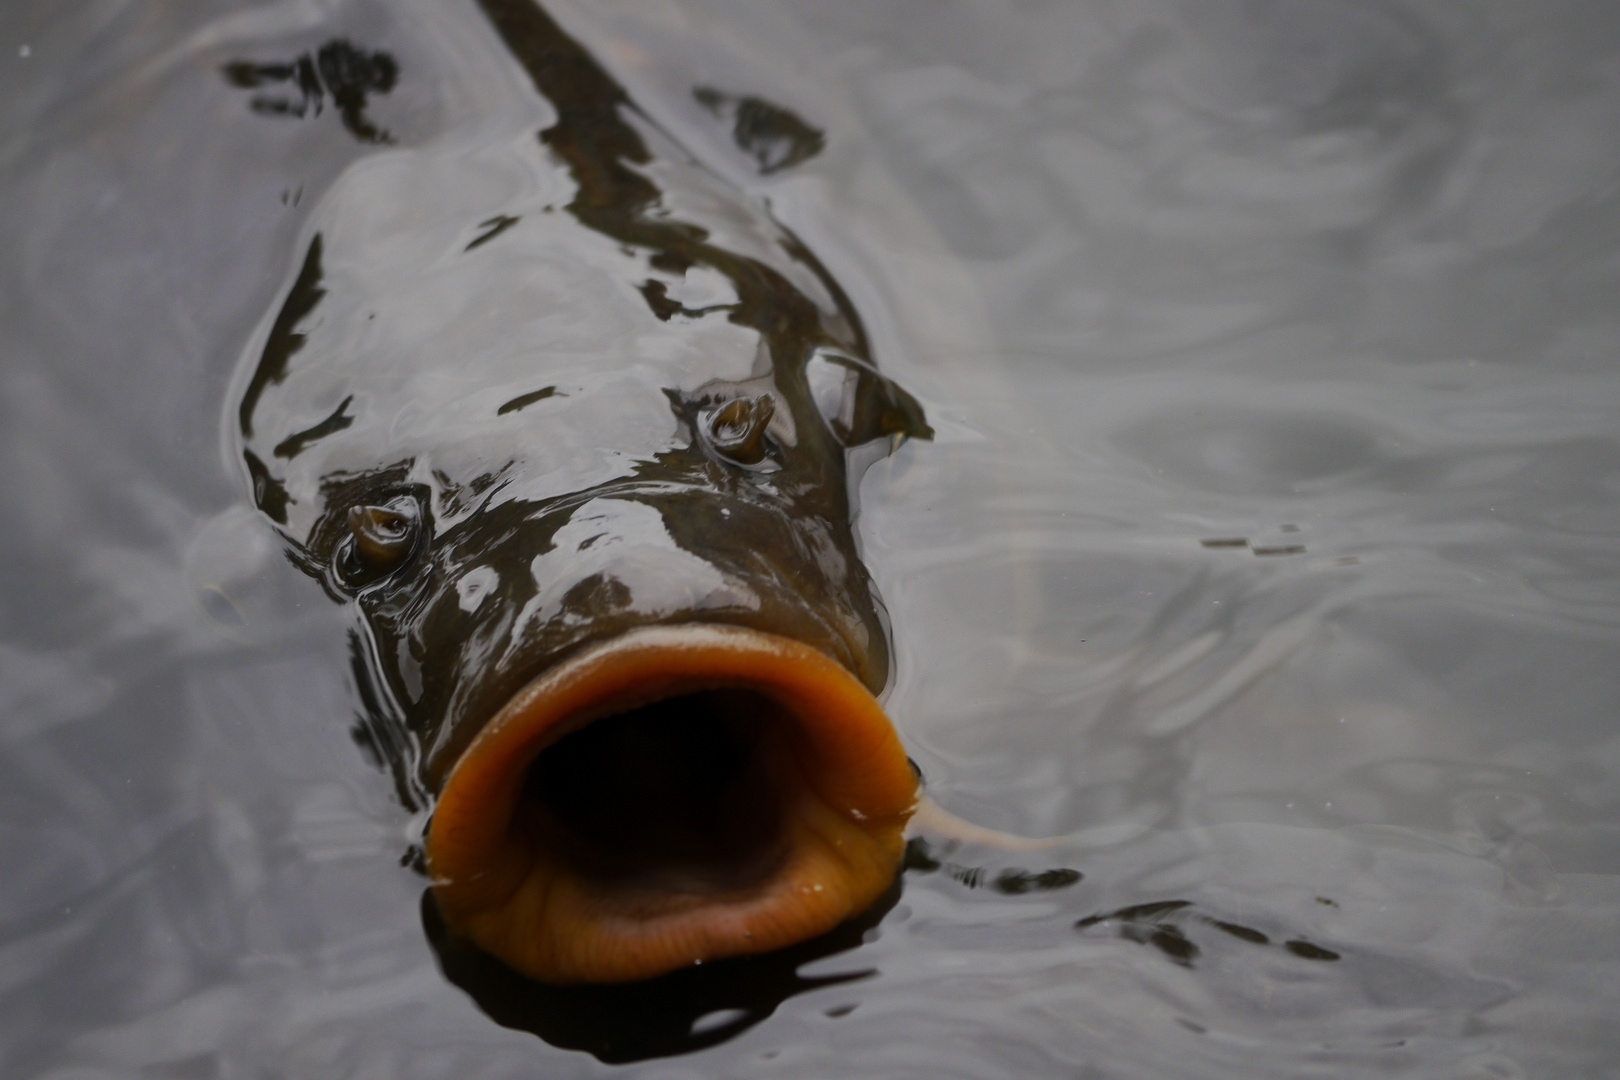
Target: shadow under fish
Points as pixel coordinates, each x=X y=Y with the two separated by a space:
x=681 y=1012
x=576 y=430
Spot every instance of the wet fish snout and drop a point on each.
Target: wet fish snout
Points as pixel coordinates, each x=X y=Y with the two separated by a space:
x=616 y=555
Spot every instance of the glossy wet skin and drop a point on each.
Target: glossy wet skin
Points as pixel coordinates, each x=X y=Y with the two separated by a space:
x=515 y=407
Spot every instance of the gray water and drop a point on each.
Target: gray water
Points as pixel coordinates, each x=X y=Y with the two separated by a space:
x=1329 y=284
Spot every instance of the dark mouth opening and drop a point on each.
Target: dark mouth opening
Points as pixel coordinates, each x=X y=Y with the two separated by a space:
x=689 y=793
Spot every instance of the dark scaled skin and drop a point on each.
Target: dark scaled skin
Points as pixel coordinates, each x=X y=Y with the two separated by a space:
x=516 y=404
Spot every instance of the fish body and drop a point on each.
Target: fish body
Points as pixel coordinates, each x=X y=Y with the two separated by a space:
x=575 y=428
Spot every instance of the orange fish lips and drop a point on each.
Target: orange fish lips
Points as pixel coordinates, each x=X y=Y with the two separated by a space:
x=675 y=795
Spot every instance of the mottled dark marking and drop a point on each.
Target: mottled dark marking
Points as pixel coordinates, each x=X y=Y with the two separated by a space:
x=293 y=445
x=1018 y=882
x=670 y=262
x=1242 y=933
x=776 y=138
x=1165 y=926
x=1167 y=939
x=350 y=75
x=920 y=858
x=1306 y=951
x=338 y=70
x=665 y=307
x=657 y=297
x=493 y=228
x=269 y=494
x=523 y=400
x=284 y=340
x=1138 y=913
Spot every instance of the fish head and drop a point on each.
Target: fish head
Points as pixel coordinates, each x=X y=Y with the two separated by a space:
x=591 y=502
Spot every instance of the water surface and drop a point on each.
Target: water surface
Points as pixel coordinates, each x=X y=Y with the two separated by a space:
x=1267 y=551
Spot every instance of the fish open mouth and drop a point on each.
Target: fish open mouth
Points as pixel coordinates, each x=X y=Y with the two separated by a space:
x=675 y=795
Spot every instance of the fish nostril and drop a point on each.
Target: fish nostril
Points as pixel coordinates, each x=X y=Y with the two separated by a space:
x=737 y=429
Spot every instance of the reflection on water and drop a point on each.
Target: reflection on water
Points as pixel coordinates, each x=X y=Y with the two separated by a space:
x=679 y=1013
x=1330 y=278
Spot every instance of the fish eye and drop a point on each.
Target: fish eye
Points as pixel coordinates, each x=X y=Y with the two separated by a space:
x=736 y=429
x=381 y=537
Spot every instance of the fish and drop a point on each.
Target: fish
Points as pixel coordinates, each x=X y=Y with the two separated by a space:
x=575 y=427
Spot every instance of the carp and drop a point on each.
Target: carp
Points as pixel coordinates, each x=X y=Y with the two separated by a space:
x=575 y=428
